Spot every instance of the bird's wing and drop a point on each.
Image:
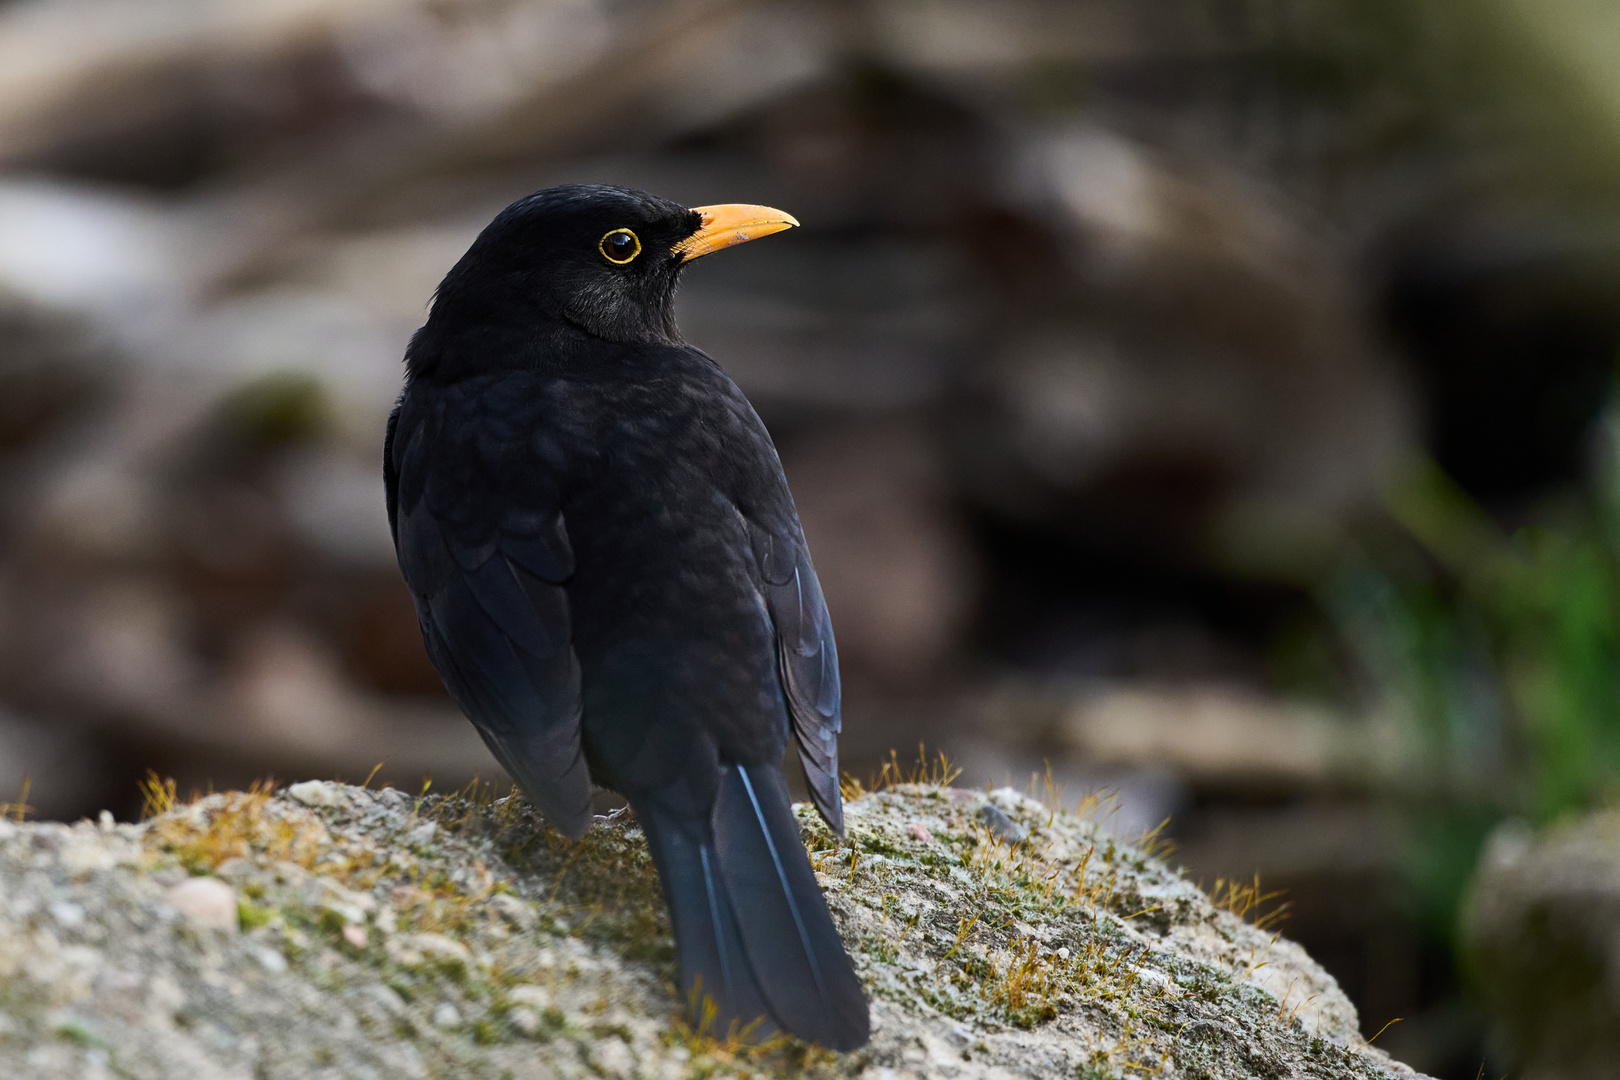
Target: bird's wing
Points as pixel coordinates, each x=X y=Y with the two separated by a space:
x=486 y=566
x=807 y=658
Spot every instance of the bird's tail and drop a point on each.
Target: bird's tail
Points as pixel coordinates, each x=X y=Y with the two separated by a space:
x=753 y=932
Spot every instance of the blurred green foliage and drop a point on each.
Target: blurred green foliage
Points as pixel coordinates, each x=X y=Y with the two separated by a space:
x=281 y=409
x=1484 y=99
x=1495 y=656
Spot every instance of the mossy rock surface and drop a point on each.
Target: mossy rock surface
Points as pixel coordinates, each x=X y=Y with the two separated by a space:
x=331 y=931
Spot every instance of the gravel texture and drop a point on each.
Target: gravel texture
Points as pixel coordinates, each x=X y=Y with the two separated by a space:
x=326 y=931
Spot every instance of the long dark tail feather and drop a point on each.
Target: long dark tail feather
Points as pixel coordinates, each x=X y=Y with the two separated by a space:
x=714 y=963
x=753 y=932
x=798 y=960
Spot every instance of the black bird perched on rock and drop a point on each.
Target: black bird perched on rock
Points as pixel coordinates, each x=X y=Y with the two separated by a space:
x=611 y=579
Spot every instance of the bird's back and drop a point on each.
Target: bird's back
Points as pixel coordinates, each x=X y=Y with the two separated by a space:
x=611 y=579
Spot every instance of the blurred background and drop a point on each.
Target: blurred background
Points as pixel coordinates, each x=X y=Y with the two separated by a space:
x=1210 y=400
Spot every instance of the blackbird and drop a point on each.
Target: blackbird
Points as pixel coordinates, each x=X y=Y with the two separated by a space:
x=611 y=579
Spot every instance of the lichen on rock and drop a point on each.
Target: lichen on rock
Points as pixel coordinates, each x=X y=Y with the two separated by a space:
x=383 y=935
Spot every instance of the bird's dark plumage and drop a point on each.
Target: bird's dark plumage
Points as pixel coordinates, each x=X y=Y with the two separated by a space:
x=611 y=579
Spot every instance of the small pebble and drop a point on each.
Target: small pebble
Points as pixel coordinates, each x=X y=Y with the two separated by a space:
x=349 y=913
x=920 y=831
x=515 y=911
x=355 y=935
x=446 y=1016
x=234 y=868
x=67 y=915
x=524 y=1019
x=440 y=947
x=1000 y=824
x=528 y=994
x=270 y=959
x=206 y=902
x=612 y=1058
x=314 y=793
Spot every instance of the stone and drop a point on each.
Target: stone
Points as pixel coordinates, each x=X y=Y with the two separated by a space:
x=439 y=946
x=517 y=912
x=206 y=902
x=314 y=793
x=1000 y=824
x=1542 y=927
x=67 y=915
x=269 y=959
x=511 y=952
x=529 y=995
x=525 y=1019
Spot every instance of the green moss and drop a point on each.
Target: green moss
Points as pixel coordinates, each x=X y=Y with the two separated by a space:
x=76 y=1030
x=252 y=916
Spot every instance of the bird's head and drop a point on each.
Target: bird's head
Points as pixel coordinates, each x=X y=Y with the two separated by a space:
x=603 y=259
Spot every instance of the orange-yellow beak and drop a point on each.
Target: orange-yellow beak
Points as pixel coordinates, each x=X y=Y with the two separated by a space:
x=730 y=224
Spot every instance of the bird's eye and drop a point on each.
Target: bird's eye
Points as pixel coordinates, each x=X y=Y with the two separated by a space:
x=619 y=246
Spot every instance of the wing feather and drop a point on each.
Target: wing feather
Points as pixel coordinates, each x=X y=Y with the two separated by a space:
x=807 y=658
x=494 y=613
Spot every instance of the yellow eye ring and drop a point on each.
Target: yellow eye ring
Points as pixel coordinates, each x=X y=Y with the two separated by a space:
x=613 y=248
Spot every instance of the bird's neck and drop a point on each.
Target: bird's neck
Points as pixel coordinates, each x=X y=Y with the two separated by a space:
x=443 y=353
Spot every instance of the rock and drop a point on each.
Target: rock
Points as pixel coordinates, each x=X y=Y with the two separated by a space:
x=1212 y=736
x=270 y=959
x=207 y=902
x=314 y=793
x=519 y=913
x=1149 y=416
x=525 y=1019
x=1542 y=926
x=441 y=947
x=1000 y=824
x=506 y=950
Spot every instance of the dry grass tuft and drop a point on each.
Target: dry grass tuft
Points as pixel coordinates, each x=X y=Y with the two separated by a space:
x=203 y=832
x=474 y=809
x=17 y=811
x=237 y=825
x=1248 y=901
x=157 y=796
x=935 y=772
x=739 y=1050
x=1128 y=1054
x=1027 y=986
